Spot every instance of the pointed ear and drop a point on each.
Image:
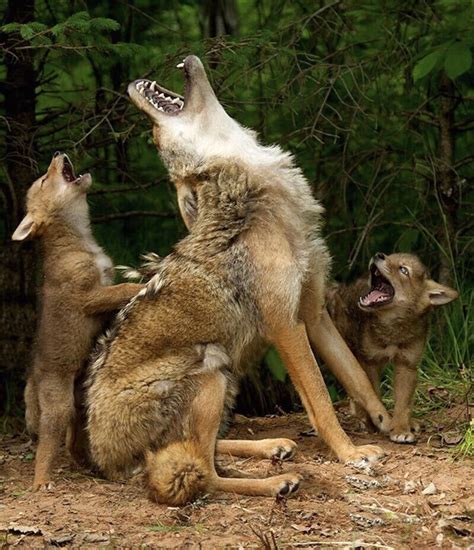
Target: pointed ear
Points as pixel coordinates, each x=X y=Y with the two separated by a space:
x=439 y=294
x=26 y=229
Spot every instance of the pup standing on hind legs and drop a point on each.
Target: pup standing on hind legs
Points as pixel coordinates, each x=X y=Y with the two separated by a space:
x=74 y=296
x=385 y=319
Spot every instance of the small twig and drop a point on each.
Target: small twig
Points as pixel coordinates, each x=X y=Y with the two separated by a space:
x=131 y=214
x=107 y=191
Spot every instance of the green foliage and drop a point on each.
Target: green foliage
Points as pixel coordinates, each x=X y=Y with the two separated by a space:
x=275 y=364
x=458 y=60
x=353 y=89
x=426 y=65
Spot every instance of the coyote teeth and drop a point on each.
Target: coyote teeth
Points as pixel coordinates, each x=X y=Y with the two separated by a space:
x=153 y=86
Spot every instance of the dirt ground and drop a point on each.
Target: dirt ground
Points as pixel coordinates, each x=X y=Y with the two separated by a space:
x=418 y=497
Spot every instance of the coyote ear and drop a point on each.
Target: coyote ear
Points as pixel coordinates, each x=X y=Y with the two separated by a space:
x=26 y=229
x=439 y=294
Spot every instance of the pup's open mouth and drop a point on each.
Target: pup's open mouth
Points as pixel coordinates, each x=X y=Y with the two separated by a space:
x=160 y=98
x=381 y=291
x=69 y=174
x=68 y=170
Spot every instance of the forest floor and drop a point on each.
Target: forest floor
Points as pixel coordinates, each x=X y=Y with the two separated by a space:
x=417 y=497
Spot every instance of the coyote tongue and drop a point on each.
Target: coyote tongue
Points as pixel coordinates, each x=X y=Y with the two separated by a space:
x=381 y=291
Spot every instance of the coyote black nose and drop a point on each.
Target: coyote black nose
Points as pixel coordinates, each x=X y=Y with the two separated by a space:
x=56 y=154
x=380 y=256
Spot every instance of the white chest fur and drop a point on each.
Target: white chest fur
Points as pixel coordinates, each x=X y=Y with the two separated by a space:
x=78 y=216
x=102 y=261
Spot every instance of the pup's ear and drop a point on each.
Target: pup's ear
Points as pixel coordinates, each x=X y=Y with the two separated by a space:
x=439 y=294
x=26 y=230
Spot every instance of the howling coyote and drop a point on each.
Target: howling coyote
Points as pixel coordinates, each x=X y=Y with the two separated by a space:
x=384 y=318
x=76 y=292
x=254 y=264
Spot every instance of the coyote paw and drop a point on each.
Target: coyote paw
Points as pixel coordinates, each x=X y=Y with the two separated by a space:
x=363 y=457
x=281 y=449
x=288 y=486
x=382 y=422
x=43 y=486
x=404 y=433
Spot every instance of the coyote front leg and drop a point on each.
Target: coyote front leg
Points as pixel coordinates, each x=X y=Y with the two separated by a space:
x=109 y=298
x=403 y=428
x=293 y=345
x=335 y=353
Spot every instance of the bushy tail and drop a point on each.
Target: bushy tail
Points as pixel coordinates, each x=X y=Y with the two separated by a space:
x=177 y=474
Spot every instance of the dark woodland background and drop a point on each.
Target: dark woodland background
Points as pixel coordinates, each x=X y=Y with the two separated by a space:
x=374 y=98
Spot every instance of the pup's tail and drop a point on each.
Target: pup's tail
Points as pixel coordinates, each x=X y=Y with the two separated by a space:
x=177 y=474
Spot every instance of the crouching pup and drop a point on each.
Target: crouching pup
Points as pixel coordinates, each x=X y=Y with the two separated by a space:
x=254 y=264
x=384 y=319
x=73 y=297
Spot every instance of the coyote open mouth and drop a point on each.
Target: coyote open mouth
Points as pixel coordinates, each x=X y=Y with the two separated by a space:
x=68 y=170
x=381 y=291
x=160 y=98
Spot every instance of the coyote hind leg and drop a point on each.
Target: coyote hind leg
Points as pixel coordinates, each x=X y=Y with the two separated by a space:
x=206 y=413
x=334 y=351
x=275 y=449
x=56 y=401
x=185 y=469
x=32 y=410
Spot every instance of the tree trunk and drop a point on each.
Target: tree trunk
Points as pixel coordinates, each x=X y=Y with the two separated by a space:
x=446 y=185
x=17 y=274
x=219 y=17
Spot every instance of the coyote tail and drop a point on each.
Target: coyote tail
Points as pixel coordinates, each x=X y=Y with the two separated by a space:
x=177 y=474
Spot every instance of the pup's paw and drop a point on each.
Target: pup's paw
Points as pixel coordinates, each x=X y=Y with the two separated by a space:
x=43 y=486
x=382 y=421
x=404 y=433
x=288 y=485
x=281 y=449
x=363 y=457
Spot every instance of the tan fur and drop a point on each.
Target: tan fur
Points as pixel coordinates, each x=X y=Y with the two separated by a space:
x=254 y=265
x=177 y=474
x=395 y=332
x=73 y=300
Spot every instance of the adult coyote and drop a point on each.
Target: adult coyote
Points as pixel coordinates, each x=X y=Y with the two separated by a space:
x=253 y=264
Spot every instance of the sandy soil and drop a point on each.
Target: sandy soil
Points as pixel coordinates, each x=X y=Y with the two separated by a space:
x=418 y=497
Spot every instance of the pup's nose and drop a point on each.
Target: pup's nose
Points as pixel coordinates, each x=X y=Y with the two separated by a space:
x=380 y=256
x=56 y=154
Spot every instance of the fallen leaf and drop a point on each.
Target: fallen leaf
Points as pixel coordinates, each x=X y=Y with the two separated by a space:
x=24 y=529
x=451 y=438
x=429 y=489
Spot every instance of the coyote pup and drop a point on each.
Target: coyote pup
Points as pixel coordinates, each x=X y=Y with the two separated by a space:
x=74 y=294
x=384 y=319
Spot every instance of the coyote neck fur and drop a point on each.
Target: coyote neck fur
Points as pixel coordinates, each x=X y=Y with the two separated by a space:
x=234 y=196
x=65 y=235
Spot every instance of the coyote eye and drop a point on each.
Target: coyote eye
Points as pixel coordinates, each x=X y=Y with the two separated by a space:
x=404 y=271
